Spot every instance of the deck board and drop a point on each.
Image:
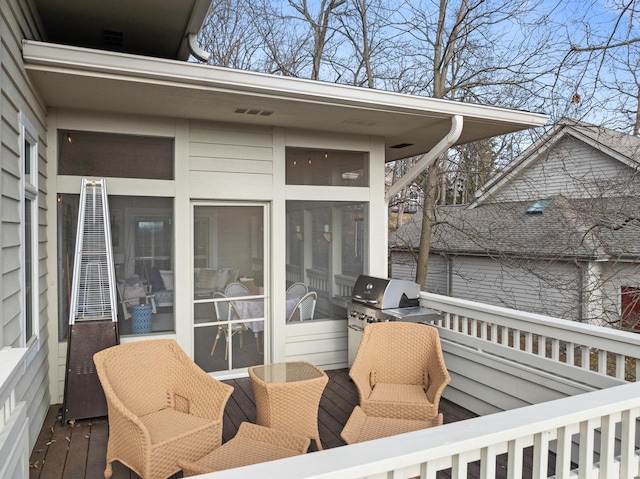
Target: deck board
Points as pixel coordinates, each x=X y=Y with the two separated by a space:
x=79 y=450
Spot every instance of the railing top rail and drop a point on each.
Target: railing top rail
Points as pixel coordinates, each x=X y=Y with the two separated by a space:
x=596 y=336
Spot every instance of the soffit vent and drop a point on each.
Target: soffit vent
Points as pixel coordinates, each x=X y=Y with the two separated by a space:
x=253 y=111
x=401 y=145
x=112 y=38
x=352 y=121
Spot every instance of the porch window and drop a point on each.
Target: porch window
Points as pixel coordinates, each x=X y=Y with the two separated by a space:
x=29 y=225
x=326 y=250
x=90 y=153
x=326 y=167
x=142 y=237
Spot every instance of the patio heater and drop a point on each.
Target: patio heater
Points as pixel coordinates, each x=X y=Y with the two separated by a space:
x=93 y=315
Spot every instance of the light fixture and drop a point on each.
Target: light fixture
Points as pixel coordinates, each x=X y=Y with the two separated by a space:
x=69 y=138
x=326 y=234
x=299 y=233
x=326 y=155
x=295 y=162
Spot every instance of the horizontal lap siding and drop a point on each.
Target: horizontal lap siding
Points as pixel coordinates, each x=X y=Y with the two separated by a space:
x=487 y=379
x=538 y=287
x=403 y=266
x=17 y=96
x=572 y=169
x=323 y=343
x=228 y=161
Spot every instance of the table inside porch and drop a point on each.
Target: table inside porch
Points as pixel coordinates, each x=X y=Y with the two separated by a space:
x=254 y=308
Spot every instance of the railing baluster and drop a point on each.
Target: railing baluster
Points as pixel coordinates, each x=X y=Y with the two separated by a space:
x=528 y=342
x=514 y=461
x=542 y=346
x=505 y=335
x=459 y=466
x=620 y=366
x=627 y=447
x=555 y=349
x=563 y=453
x=585 y=455
x=570 y=351
x=540 y=455
x=602 y=362
x=607 y=446
x=584 y=357
x=488 y=462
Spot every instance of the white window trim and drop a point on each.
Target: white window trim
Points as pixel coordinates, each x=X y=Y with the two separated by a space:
x=29 y=191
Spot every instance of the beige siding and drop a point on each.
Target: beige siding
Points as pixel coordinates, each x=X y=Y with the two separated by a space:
x=538 y=287
x=324 y=343
x=17 y=97
x=573 y=169
x=228 y=161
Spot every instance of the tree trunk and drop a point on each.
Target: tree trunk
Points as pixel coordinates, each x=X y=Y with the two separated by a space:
x=427 y=223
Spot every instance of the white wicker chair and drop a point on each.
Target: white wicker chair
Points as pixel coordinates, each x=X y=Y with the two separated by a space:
x=305 y=308
x=297 y=289
x=234 y=290
x=224 y=312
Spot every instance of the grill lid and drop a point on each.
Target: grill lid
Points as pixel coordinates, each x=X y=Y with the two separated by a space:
x=382 y=293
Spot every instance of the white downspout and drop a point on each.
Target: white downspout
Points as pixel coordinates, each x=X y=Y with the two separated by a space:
x=195 y=49
x=429 y=157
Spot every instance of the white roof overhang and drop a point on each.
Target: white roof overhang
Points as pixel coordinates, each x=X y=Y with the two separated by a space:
x=79 y=78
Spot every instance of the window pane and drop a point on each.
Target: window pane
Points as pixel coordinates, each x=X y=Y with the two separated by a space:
x=28 y=269
x=326 y=167
x=326 y=250
x=28 y=150
x=86 y=153
x=228 y=268
x=142 y=238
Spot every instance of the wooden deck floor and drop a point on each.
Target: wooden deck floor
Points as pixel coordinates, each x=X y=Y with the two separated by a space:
x=78 y=450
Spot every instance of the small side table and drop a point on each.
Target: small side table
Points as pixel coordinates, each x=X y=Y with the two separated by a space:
x=288 y=397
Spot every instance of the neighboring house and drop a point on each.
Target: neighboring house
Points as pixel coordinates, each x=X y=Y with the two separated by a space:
x=555 y=233
x=214 y=176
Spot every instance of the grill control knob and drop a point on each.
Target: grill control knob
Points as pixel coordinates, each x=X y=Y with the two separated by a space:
x=362 y=316
x=371 y=319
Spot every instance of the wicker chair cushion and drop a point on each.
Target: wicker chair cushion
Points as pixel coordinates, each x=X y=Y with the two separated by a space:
x=399 y=393
x=361 y=427
x=169 y=424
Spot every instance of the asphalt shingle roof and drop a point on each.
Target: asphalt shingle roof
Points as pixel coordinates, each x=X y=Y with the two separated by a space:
x=602 y=228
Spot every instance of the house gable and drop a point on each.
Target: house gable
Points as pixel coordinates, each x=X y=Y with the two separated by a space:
x=576 y=162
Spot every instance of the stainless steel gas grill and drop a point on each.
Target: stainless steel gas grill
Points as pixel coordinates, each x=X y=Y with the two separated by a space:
x=378 y=299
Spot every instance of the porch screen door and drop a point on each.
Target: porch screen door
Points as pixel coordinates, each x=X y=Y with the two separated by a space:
x=229 y=300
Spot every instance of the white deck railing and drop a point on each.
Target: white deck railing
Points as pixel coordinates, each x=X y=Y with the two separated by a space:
x=588 y=435
x=576 y=428
x=603 y=350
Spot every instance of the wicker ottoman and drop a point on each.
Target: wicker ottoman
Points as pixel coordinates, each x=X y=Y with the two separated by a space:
x=251 y=445
x=360 y=427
